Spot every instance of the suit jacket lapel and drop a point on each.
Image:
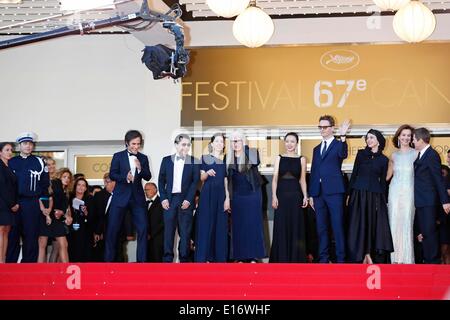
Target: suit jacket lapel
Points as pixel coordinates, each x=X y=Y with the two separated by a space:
x=127 y=161
x=425 y=154
x=185 y=169
x=170 y=169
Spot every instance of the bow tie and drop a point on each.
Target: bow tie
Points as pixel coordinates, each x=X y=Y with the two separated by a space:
x=149 y=201
x=131 y=154
x=179 y=158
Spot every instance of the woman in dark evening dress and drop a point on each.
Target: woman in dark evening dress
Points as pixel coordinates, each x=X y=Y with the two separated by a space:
x=8 y=197
x=289 y=198
x=369 y=235
x=245 y=183
x=80 y=237
x=55 y=222
x=211 y=239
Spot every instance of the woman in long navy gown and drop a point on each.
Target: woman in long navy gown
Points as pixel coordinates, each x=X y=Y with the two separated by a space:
x=244 y=183
x=211 y=244
x=289 y=198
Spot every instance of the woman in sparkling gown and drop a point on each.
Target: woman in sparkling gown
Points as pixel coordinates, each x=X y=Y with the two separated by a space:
x=401 y=196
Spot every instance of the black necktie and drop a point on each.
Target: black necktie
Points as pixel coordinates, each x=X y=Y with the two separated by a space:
x=324 y=148
x=418 y=156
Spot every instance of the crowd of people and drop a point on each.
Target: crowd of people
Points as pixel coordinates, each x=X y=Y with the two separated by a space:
x=391 y=210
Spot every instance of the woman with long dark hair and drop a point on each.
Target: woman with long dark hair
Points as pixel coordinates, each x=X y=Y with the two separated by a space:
x=8 y=196
x=80 y=238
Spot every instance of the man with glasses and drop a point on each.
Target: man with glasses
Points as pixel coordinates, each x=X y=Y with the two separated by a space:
x=178 y=178
x=326 y=187
x=128 y=168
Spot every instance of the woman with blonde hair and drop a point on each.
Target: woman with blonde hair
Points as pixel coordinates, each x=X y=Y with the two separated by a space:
x=55 y=223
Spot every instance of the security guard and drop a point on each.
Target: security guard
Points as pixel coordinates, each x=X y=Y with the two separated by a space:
x=33 y=182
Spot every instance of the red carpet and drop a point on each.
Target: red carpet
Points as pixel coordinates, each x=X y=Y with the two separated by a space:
x=223 y=281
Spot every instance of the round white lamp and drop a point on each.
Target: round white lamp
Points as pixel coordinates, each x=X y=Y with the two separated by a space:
x=414 y=22
x=253 y=27
x=391 y=4
x=227 y=8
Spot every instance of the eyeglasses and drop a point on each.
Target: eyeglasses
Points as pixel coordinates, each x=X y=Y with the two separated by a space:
x=186 y=144
x=323 y=127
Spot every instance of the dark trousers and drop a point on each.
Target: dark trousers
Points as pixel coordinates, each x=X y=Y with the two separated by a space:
x=426 y=222
x=156 y=248
x=330 y=207
x=176 y=217
x=114 y=225
x=27 y=221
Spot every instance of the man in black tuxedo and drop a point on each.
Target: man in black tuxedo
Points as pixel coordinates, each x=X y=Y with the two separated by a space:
x=429 y=194
x=155 y=224
x=128 y=168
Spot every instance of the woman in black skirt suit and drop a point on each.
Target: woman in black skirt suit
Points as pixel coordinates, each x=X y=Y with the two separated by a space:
x=369 y=235
x=8 y=197
x=56 y=217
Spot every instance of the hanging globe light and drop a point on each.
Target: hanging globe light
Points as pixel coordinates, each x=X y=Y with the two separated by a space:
x=227 y=8
x=393 y=5
x=414 y=22
x=253 y=27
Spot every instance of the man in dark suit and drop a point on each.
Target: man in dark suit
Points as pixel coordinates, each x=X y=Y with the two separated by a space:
x=178 y=178
x=128 y=169
x=101 y=206
x=326 y=187
x=155 y=224
x=429 y=194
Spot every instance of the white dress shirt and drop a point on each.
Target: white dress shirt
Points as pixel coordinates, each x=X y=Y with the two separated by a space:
x=152 y=200
x=423 y=151
x=329 y=141
x=108 y=203
x=178 y=166
x=132 y=160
